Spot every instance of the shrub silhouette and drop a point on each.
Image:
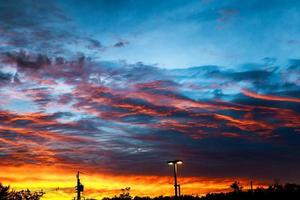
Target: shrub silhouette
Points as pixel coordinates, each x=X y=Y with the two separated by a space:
x=125 y=195
x=276 y=191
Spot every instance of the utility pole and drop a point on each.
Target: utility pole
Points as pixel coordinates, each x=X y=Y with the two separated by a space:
x=79 y=187
x=179 y=192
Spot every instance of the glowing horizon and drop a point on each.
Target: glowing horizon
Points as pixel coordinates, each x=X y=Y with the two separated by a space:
x=60 y=183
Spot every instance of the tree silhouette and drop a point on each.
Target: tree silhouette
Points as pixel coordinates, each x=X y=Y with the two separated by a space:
x=125 y=193
x=4 y=191
x=236 y=186
x=7 y=194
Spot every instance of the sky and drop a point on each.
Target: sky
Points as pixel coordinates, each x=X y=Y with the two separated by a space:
x=115 y=88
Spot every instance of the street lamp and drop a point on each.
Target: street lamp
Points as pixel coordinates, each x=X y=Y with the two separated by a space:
x=175 y=163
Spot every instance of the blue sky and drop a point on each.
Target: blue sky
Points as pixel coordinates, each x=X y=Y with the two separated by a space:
x=191 y=33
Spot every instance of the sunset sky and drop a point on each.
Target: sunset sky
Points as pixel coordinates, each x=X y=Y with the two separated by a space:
x=115 y=88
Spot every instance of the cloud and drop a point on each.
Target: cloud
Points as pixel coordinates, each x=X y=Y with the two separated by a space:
x=5 y=78
x=94 y=44
x=121 y=43
x=270 y=97
x=130 y=118
x=23 y=60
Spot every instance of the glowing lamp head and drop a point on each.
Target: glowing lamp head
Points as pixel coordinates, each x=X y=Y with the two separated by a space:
x=175 y=162
x=179 y=162
x=170 y=162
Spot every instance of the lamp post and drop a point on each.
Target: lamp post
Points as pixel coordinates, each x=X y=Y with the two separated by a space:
x=175 y=163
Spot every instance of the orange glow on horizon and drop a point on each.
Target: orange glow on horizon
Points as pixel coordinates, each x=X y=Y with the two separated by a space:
x=59 y=183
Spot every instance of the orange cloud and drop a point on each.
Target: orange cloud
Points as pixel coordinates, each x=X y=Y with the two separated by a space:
x=269 y=97
x=245 y=124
